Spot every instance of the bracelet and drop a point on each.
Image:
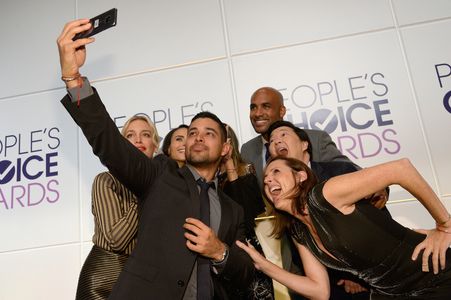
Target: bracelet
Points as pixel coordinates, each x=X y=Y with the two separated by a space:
x=439 y=226
x=442 y=230
x=70 y=78
x=224 y=255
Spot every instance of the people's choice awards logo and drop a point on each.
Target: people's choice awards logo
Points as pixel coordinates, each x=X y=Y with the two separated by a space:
x=7 y=171
x=29 y=168
x=358 y=104
x=443 y=72
x=168 y=118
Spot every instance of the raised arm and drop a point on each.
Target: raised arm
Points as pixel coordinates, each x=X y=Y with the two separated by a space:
x=344 y=191
x=315 y=283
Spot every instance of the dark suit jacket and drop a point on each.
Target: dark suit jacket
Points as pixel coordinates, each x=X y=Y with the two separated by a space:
x=327 y=170
x=161 y=264
x=323 y=149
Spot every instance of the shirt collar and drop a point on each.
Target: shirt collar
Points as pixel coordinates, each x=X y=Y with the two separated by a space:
x=197 y=176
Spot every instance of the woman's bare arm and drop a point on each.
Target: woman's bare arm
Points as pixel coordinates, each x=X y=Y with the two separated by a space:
x=345 y=190
x=315 y=285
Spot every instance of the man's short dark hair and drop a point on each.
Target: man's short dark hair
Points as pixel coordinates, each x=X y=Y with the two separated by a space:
x=212 y=116
x=302 y=135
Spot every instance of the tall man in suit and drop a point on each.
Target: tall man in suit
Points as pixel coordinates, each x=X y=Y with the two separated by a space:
x=289 y=141
x=266 y=107
x=172 y=240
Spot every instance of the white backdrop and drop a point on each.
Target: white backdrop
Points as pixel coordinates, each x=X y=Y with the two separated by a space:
x=375 y=74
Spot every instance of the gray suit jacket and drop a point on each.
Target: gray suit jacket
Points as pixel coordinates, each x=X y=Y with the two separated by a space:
x=324 y=149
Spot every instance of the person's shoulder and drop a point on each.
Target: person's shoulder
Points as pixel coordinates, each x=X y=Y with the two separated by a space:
x=251 y=142
x=103 y=176
x=163 y=159
x=105 y=179
x=316 y=133
x=335 y=163
x=337 y=167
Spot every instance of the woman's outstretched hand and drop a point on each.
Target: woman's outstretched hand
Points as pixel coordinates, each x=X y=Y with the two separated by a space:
x=437 y=242
x=254 y=254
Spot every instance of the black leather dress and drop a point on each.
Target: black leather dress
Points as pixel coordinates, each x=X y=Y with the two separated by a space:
x=374 y=247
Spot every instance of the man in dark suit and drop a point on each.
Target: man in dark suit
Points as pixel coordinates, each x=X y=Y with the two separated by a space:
x=171 y=237
x=290 y=141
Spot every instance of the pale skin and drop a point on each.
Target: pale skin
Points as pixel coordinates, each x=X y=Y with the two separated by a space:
x=139 y=133
x=314 y=285
x=204 y=141
x=344 y=191
x=177 y=148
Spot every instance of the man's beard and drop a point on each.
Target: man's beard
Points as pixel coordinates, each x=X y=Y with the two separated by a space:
x=201 y=160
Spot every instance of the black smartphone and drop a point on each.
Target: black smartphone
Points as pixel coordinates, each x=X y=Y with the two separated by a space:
x=100 y=23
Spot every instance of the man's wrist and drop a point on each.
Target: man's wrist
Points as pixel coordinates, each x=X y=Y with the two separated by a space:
x=223 y=256
x=72 y=80
x=79 y=92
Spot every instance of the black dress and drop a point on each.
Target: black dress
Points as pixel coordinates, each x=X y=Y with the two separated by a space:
x=374 y=247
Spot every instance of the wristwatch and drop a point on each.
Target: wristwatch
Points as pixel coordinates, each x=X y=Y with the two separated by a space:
x=224 y=255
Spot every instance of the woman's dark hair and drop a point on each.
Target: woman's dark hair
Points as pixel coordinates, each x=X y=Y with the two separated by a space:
x=168 y=138
x=299 y=194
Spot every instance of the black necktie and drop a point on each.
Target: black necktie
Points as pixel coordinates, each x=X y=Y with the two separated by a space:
x=204 y=287
x=267 y=154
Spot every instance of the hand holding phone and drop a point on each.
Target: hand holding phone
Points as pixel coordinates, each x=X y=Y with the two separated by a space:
x=99 y=23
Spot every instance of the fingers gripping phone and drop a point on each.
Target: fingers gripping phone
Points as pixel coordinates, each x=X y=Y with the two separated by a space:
x=98 y=24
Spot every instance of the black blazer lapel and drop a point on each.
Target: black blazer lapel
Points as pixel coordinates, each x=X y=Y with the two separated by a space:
x=193 y=191
x=226 y=217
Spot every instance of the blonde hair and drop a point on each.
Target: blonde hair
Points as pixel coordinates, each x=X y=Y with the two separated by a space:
x=155 y=136
x=243 y=168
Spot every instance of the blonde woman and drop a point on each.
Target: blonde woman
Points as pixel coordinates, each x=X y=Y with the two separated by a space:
x=115 y=219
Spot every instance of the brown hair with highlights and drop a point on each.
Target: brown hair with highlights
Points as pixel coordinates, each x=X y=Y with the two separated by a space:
x=299 y=195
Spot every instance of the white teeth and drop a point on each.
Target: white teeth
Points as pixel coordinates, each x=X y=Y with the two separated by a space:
x=274 y=189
